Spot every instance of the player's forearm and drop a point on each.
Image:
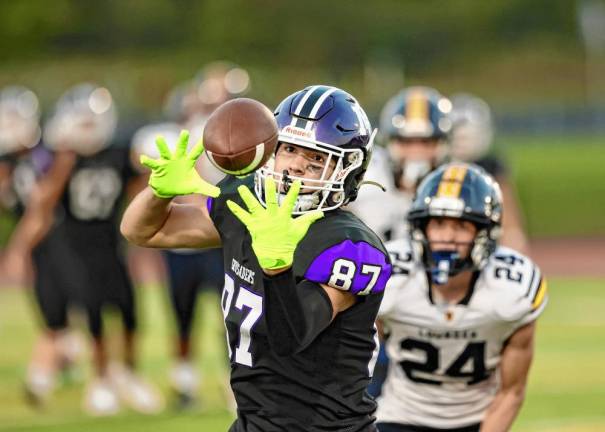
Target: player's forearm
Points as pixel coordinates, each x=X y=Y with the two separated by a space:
x=38 y=217
x=36 y=221
x=144 y=217
x=30 y=231
x=503 y=411
x=296 y=313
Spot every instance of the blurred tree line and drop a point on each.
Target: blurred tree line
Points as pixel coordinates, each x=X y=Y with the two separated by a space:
x=526 y=58
x=341 y=33
x=501 y=49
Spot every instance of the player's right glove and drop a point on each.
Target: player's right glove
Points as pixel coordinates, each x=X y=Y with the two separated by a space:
x=174 y=174
x=275 y=233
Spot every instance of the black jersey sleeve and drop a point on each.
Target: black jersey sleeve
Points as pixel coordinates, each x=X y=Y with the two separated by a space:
x=342 y=252
x=295 y=312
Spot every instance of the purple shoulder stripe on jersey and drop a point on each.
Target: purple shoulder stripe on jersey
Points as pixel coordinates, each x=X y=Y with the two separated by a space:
x=351 y=266
x=209 y=204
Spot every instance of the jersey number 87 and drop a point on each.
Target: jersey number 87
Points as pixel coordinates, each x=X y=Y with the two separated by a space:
x=343 y=273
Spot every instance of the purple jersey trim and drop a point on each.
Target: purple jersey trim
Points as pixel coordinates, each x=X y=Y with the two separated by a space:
x=41 y=158
x=360 y=253
x=209 y=204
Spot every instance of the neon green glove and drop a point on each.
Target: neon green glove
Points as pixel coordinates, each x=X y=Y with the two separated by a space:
x=174 y=173
x=274 y=232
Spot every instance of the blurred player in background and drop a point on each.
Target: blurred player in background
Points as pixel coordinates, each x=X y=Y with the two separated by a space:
x=471 y=141
x=23 y=160
x=77 y=204
x=460 y=310
x=189 y=270
x=301 y=294
x=415 y=125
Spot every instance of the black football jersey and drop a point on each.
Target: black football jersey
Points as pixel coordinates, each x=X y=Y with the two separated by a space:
x=322 y=387
x=25 y=170
x=91 y=203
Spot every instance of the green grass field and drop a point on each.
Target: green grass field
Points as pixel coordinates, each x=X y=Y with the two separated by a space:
x=560 y=182
x=566 y=389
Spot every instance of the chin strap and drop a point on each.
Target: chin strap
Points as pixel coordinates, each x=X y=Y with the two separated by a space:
x=372 y=183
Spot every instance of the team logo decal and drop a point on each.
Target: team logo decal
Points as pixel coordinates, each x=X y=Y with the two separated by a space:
x=298 y=132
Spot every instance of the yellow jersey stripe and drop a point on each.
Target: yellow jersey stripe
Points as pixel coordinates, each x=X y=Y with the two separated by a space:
x=540 y=295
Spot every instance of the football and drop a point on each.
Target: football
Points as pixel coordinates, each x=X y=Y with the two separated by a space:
x=240 y=136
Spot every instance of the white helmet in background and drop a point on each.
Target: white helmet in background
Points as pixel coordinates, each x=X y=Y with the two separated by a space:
x=19 y=119
x=84 y=120
x=143 y=141
x=473 y=131
x=213 y=85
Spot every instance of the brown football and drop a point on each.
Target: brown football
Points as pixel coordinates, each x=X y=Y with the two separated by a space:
x=240 y=136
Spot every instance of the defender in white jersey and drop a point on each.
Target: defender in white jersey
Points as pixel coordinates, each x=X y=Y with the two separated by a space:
x=414 y=125
x=460 y=311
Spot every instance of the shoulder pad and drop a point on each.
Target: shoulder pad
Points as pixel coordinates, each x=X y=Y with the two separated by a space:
x=519 y=289
x=405 y=261
x=341 y=252
x=403 y=256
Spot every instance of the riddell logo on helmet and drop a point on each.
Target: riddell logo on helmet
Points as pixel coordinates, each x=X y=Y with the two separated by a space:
x=293 y=130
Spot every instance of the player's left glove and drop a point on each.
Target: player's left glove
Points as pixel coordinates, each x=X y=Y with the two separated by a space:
x=275 y=234
x=174 y=173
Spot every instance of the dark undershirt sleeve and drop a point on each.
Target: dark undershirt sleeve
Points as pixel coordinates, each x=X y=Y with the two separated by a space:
x=296 y=313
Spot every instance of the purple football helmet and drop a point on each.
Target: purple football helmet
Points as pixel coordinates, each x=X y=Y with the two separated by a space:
x=329 y=120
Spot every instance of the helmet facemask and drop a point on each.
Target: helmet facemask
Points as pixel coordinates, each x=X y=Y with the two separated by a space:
x=326 y=120
x=326 y=193
x=462 y=192
x=443 y=264
x=409 y=171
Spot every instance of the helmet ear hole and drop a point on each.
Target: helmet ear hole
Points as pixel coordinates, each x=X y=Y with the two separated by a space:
x=336 y=198
x=352 y=158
